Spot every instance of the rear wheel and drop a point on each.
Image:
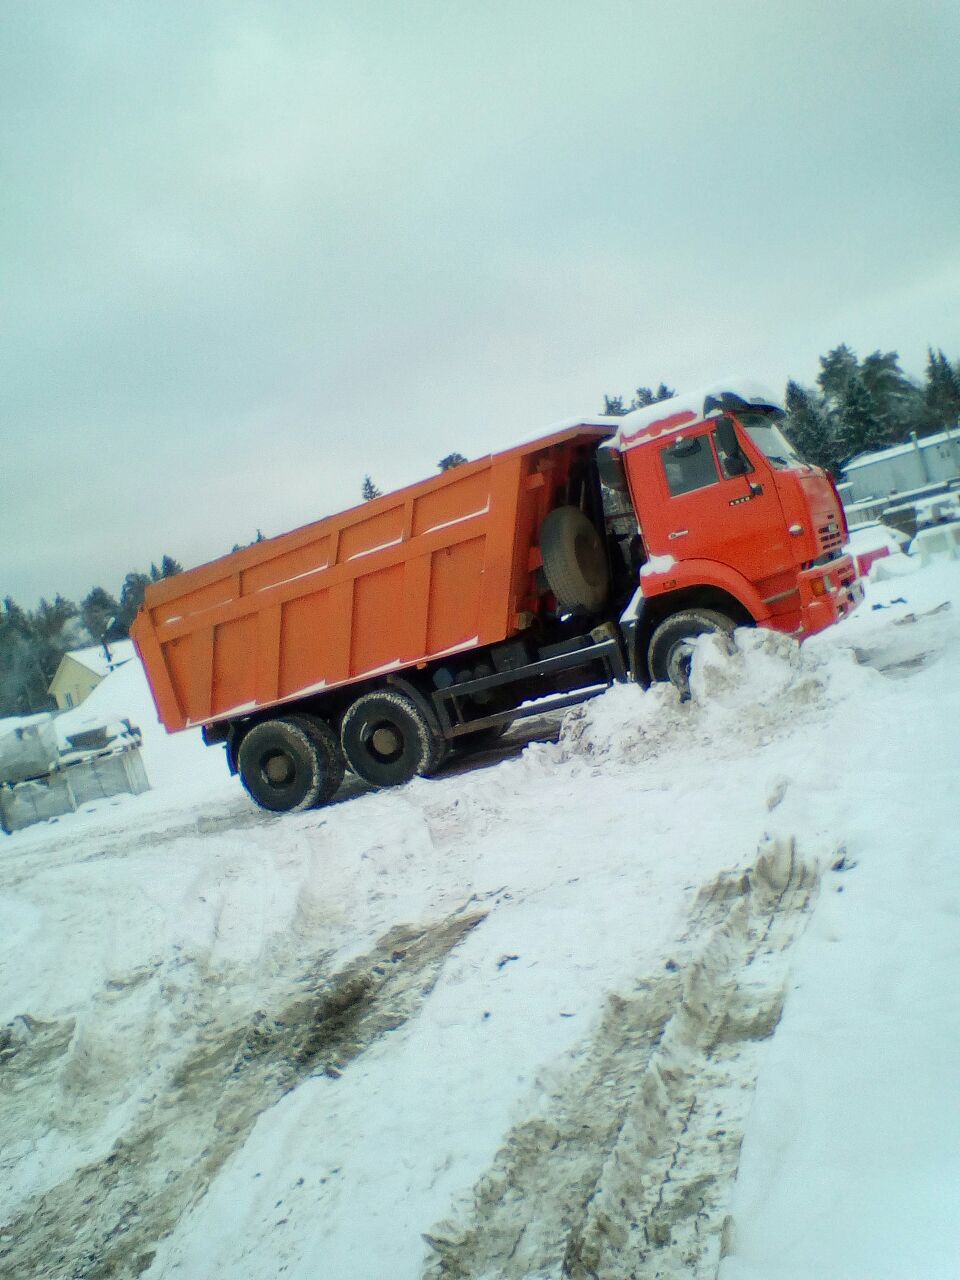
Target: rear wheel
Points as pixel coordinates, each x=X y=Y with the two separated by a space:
x=388 y=740
x=290 y=764
x=327 y=745
x=671 y=645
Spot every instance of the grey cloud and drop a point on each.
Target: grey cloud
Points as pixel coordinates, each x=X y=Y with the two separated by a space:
x=253 y=251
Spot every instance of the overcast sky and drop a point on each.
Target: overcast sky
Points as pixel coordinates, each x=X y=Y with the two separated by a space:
x=251 y=251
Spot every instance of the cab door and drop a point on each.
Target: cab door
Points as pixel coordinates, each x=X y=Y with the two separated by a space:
x=709 y=513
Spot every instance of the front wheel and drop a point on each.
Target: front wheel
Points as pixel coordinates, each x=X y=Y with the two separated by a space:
x=671 y=646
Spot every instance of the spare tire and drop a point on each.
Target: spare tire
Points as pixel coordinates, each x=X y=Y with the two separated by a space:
x=574 y=561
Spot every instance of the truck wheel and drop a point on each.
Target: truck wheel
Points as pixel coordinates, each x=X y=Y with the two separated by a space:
x=388 y=740
x=671 y=645
x=286 y=765
x=327 y=744
x=574 y=560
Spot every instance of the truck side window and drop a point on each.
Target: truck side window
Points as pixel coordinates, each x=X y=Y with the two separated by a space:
x=689 y=465
x=734 y=464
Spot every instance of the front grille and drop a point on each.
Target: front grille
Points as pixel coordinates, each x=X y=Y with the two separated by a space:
x=830 y=539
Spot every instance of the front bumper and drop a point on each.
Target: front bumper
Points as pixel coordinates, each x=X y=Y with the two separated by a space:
x=827 y=594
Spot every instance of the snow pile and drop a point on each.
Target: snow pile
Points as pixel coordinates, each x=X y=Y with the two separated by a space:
x=431 y=1028
x=757 y=686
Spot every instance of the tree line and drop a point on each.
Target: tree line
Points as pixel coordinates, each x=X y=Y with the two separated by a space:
x=32 y=641
x=857 y=406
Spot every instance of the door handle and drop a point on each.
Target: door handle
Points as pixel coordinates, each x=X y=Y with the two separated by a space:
x=678 y=533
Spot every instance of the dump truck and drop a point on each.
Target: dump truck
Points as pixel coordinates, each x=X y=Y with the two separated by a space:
x=523 y=582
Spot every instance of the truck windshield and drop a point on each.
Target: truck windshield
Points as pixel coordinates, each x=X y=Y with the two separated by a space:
x=770 y=440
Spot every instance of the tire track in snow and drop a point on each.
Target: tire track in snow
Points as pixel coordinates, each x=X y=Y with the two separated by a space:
x=626 y=1173
x=106 y=1219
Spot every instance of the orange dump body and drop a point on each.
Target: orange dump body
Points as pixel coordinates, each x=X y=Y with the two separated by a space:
x=445 y=565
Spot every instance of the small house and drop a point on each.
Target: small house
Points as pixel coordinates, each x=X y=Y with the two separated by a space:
x=81 y=670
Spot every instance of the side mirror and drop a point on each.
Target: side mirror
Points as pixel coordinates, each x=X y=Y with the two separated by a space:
x=735 y=464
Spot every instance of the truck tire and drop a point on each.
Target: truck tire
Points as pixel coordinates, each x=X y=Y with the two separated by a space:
x=671 y=645
x=289 y=764
x=574 y=561
x=327 y=744
x=388 y=740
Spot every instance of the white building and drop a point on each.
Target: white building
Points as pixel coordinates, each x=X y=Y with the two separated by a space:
x=924 y=463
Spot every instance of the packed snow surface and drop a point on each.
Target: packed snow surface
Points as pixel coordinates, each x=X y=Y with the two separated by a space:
x=675 y=994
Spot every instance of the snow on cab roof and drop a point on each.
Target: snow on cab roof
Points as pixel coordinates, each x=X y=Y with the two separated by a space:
x=658 y=419
x=95 y=659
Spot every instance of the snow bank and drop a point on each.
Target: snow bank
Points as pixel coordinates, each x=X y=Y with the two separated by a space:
x=249 y=1045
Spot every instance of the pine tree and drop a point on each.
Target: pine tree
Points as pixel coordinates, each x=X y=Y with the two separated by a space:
x=369 y=490
x=451 y=460
x=897 y=402
x=808 y=426
x=99 y=612
x=131 y=598
x=941 y=394
x=19 y=668
x=54 y=628
x=857 y=427
x=614 y=407
x=644 y=397
x=837 y=368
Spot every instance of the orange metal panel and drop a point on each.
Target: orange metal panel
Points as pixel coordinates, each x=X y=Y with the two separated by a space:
x=495 y=610
x=440 y=565
x=416 y=607
x=234 y=664
x=376 y=626
x=305 y=635
x=199 y=652
x=269 y=623
x=454 y=613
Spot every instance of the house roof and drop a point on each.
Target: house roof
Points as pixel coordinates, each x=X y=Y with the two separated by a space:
x=95 y=658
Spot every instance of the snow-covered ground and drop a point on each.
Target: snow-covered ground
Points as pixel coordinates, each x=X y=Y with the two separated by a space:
x=676 y=992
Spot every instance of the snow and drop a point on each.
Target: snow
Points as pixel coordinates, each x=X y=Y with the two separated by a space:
x=10 y=724
x=657 y=564
x=306 y=1043
x=448 y=524
x=652 y=421
x=95 y=659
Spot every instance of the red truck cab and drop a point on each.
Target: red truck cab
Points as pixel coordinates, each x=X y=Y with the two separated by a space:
x=731 y=517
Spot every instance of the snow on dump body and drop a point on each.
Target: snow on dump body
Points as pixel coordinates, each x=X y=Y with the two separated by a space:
x=439 y=567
